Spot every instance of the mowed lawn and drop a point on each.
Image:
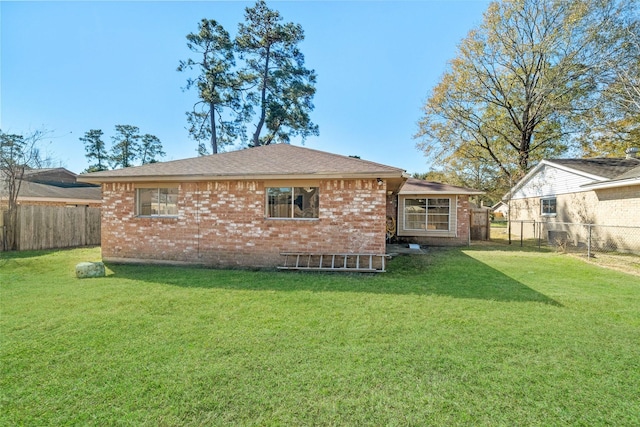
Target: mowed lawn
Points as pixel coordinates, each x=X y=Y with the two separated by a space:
x=475 y=336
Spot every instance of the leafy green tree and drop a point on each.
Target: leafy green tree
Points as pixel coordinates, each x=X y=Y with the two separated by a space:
x=126 y=146
x=472 y=170
x=613 y=125
x=520 y=81
x=150 y=149
x=435 y=176
x=95 y=150
x=279 y=85
x=219 y=115
x=624 y=88
x=608 y=137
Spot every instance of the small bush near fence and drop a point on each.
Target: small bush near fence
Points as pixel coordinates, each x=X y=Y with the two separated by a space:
x=47 y=227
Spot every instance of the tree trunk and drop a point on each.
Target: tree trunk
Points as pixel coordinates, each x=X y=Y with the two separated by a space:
x=13 y=185
x=214 y=137
x=263 y=101
x=523 y=154
x=12 y=228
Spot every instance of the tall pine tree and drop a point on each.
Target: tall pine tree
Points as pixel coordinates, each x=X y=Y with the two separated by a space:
x=126 y=146
x=282 y=89
x=95 y=150
x=219 y=114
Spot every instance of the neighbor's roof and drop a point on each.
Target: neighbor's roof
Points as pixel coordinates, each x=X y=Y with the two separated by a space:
x=39 y=190
x=604 y=172
x=630 y=178
x=60 y=192
x=609 y=168
x=631 y=173
x=418 y=186
x=277 y=161
x=49 y=174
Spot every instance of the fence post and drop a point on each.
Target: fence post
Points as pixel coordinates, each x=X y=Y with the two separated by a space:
x=539 y=228
x=521 y=233
x=589 y=242
x=18 y=226
x=85 y=220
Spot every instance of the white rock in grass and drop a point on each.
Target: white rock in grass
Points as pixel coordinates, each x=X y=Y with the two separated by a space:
x=90 y=269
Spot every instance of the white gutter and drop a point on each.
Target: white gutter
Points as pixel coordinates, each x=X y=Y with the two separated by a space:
x=612 y=184
x=432 y=193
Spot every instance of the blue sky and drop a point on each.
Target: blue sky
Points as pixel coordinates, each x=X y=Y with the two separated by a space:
x=73 y=66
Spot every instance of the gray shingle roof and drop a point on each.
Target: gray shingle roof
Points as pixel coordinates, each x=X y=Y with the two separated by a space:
x=53 y=183
x=631 y=173
x=35 y=189
x=418 y=186
x=609 y=168
x=278 y=160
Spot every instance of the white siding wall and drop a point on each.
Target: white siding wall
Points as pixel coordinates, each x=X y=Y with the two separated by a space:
x=551 y=181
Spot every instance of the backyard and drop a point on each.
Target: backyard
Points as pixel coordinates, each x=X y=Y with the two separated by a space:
x=489 y=335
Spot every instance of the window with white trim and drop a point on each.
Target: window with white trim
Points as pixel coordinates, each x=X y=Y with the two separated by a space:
x=427 y=214
x=157 y=202
x=548 y=206
x=292 y=202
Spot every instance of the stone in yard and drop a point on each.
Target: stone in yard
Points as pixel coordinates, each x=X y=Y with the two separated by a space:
x=90 y=269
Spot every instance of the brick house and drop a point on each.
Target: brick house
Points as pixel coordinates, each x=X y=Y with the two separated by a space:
x=246 y=207
x=601 y=191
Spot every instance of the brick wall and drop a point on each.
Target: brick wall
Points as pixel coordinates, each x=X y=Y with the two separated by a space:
x=619 y=206
x=612 y=206
x=223 y=223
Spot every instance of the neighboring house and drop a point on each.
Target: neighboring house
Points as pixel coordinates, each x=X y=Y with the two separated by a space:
x=246 y=207
x=43 y=220
x=433 y=213
x=53 y=187
x=603 y=191
x=500 y=210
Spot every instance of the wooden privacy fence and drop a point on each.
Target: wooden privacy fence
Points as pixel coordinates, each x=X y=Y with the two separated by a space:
x=480 y=224
x=46 y=227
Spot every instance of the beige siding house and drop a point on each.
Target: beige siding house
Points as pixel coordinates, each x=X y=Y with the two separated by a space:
x=246 y=207
x=601 y=191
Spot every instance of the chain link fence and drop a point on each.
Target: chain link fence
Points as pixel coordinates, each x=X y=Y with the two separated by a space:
x=587 y=239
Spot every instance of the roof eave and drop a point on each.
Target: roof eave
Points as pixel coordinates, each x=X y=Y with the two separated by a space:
x=612 y=184
x=434 y=192
x=241 y=177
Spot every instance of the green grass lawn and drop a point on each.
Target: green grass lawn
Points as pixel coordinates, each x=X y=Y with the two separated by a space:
x=481 y=336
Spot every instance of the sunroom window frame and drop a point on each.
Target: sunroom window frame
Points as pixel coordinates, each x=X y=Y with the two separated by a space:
x=452 y=230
